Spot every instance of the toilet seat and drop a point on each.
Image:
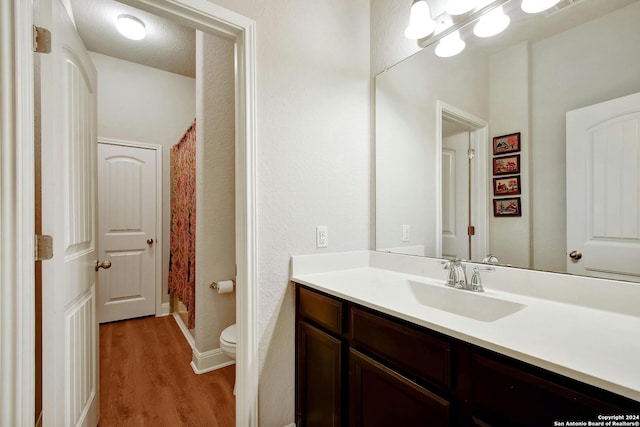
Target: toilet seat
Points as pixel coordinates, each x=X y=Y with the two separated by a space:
x=229 y=335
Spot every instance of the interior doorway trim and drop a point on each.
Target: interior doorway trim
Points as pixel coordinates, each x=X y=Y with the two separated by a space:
x=17 y=295
x=17 y=215
x=479 y=189
x=159 y=235
x=211 y=18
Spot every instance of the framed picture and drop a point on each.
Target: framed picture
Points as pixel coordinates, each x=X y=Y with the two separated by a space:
x=506 y=144
x=506 y=186
x=507 y=165
x=507 y=207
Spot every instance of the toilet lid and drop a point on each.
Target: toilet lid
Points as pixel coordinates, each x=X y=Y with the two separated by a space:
x=229 y=334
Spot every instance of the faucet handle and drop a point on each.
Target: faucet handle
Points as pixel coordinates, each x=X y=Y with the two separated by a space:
x=476 y=280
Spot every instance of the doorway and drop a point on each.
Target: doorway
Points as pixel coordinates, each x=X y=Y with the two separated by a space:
x=129 y=230
x=18 y=394
x=462 y=145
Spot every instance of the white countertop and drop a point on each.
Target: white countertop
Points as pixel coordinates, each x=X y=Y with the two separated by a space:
x=596 y=346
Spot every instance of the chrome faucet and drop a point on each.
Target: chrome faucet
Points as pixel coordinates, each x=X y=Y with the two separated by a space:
x=491 y=259
x=457 y=274
x=476 y=280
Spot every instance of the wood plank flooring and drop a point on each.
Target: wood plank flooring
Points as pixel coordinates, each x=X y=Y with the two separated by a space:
x=146 y=379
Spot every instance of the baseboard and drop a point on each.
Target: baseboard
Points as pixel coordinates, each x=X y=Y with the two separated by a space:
x=185 y=331
x=209 y=360
x=165 y=310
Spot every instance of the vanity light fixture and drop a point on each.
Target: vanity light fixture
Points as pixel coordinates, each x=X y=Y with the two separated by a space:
x=459 y=7
x=492 y=23
x=420 y=22
x=450 y=45
x=130 y=27
x=535 y=6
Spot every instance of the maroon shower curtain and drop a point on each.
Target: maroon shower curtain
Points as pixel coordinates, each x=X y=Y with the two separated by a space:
x=182 y=258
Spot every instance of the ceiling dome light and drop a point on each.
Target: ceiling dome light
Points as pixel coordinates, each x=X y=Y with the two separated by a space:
x=459 y=7
x=450 y=45
x=130 y=27
x=535 y=6
x=420 y=22
x=492 y=23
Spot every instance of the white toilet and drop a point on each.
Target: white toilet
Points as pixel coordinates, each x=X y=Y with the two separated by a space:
x=228 y=344
x=228 y=341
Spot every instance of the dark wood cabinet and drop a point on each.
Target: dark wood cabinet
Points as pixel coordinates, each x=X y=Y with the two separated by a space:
x=319 y=378
x=503 y=394
x=380 y=397
x=362 y=368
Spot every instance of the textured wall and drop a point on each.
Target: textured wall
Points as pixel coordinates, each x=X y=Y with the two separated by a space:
x=143 y=104
x=313 y=159
x=565 y=75
x=215 y=187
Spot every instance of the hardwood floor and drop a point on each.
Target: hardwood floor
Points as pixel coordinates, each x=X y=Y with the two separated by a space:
x=146 y=379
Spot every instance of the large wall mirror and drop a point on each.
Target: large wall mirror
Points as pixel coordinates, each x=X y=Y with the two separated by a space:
x=560 y=191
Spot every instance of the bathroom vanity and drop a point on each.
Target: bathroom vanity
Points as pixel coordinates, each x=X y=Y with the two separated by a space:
x=376 y=345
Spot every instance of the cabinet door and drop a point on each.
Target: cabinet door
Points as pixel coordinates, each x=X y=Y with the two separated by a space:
x=319 y=379
x=505 y=395
x=380 y=397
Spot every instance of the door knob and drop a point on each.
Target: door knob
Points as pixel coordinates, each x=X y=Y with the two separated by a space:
x=149 y=242
x=575 y=255
x=104 y=264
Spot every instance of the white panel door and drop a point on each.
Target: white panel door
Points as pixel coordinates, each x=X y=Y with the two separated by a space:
x=455 y=196
x=603 y=189
x=69 y=325
x=127 y=192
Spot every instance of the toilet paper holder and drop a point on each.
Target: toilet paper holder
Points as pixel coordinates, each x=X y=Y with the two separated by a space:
x=214 y=285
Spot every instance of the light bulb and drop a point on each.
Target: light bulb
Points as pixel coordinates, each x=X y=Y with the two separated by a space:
x=450 y=45
x=420 y=22
x=459 y=7
x=535 y=6
x=492 y=23
x=130 y=27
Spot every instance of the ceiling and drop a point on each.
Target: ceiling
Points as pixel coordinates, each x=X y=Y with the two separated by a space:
x=168 y=46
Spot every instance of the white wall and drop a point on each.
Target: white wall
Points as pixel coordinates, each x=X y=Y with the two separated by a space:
x=215 y=187
x=509 y=104
x=591 y=63
x=143 y=104
x=406 y=155
x=313 y=160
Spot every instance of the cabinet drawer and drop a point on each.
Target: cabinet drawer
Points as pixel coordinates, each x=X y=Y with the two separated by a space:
x=505 y=395
x=380 y=397
x=414 y=351
x=320 y=309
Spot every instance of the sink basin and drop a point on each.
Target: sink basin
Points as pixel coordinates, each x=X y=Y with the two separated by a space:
x=463 y=303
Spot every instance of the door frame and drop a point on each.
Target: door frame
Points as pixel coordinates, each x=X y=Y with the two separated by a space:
x=17 y=294
x=479 y=189
x=159 y=235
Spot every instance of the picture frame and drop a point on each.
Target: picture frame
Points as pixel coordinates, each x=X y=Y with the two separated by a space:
x=506 y=144
x=506 y=186
x=507 y=207
x=506 y=165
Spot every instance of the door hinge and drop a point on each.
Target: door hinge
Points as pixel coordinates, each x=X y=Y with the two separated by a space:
x=44 y=247
x=471 y=153
x=471 y=230
x=41 y=40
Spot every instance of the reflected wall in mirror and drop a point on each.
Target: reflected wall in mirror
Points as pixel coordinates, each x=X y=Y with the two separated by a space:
x=524 y=80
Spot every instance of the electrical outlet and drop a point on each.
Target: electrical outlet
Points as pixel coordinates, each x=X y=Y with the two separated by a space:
x=322 y=236
x=406 y=232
